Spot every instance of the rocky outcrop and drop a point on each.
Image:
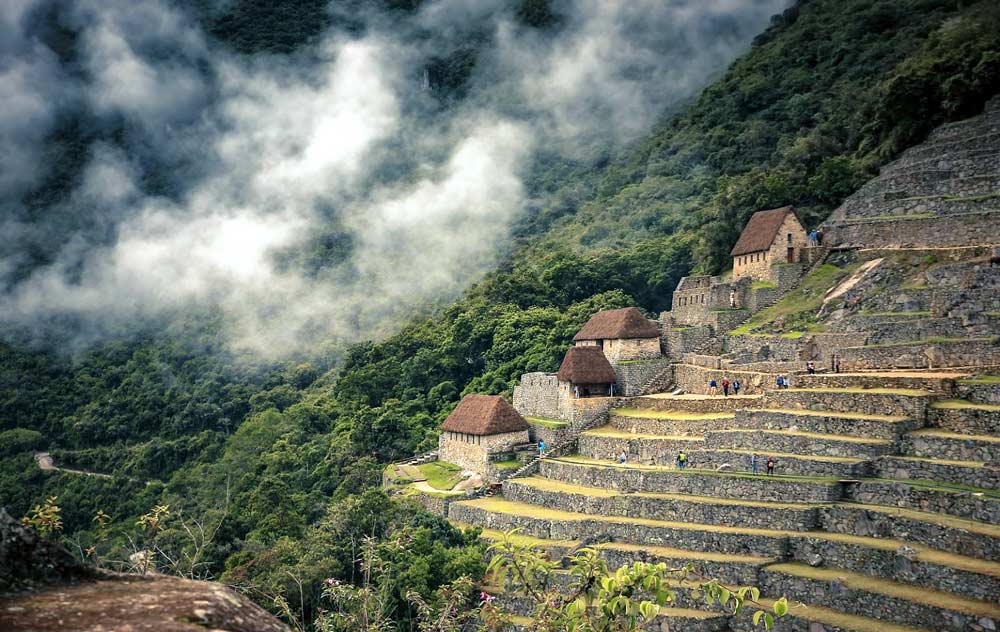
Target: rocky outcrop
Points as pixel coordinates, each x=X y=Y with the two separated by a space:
x=28 y=561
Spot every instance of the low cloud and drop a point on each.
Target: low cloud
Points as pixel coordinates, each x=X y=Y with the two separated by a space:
x=253 y=158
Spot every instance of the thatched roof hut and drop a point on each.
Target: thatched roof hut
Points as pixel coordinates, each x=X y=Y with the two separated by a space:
x=586 y=365
x=484 y=415
x=613 y=324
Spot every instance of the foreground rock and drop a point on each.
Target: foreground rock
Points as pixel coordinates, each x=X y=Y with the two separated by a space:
x=132 y=603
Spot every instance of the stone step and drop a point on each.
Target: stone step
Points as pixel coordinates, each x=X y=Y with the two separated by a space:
x=960 y=161
x=967 y=473
x=972 y=503
x=834 y=423
x=859 y=594
x=714 y=546
x=804 y=617
x=608 y=442
x=553 y=524
x=930 y=381
x=980 y=389
x=946 y=533
x=668 y=422
x=902 y=402
x=739 y=569
x=798 y=442
x=693 y=403
x=650 y=478
x=932 y=443
x=964 y=417
x=786 y=463
x=658 y=506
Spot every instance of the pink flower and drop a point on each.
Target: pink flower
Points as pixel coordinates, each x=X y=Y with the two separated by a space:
x=485 y=597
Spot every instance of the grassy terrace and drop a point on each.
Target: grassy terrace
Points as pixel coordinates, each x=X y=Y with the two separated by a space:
x=789 y=455
x=945 y=434
x=924 y=553
x=672 y=415
x=835 y=618
x=512 y=464
x=546 y=423
x=611 y=432
x=906 y=392
x=961 y=404
x=920 y=459
x=981 y=379
x=926 y=341
x=833 y=413
x=585 y=462
x=810 y=435
x=440 y=475
x=935 y=598
x=549 y=485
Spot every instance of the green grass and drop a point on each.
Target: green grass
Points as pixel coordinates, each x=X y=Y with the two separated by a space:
x=981 y=379
x=554 y=424
x=861 y=391
x=669 y=414
x=441 y=475
x=763 y=285
x=927 y=341
x=798 y=308
x=962 y=404
x=782 y=478
x=643 y=361
x=512 y=464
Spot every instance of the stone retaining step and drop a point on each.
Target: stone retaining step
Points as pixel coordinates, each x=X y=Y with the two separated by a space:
x=973 y=503
x=837 y=423
x=739 y=569
x=902 y=402
x=968 y=473
x=693 y=403
x=982 y=389
x=886 y=600
x=945 y=533
x=673 y=507
x=668 y=422
x=803 y=617
x=608 y=442
x=797 y=442
x=651 y=478
x=965 y=417
x=944 y=444
x=630 y=539
x=785 y=463
x=931 y=381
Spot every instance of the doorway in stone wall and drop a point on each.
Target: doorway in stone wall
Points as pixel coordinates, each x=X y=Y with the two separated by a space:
x=791 y=255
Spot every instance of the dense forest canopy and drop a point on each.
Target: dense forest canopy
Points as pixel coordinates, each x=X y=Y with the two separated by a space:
x=284 y=452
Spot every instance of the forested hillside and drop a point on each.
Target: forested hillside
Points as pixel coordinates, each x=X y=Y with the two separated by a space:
x=284 y=455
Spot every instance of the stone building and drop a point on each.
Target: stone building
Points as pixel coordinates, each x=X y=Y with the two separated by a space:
x=770 y=237
x=621 y=334
x=585 y=372
x=480 y=426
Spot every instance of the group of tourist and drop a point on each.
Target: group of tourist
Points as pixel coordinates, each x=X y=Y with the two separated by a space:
x=815 y=237
x=727 y=386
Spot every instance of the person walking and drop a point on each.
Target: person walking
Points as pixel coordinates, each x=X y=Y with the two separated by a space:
x=813 y=238
x=736 y=387
x=713 y=387
x=836 y=363
x=622 y=457
x=725 y=387
x=682 y=459
x=541 y=447
x=770 y=466
x=753 y=463
x=811 y=368
x=780 y=381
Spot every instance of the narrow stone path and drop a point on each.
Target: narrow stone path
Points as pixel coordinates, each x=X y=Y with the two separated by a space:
x=44 y=460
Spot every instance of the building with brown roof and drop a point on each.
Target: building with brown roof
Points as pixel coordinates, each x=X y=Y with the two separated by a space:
x=586 y=372
x=622 y=334
x=479 y=429
x=769 y=238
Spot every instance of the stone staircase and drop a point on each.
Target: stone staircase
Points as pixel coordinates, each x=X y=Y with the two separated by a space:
x=882 y=514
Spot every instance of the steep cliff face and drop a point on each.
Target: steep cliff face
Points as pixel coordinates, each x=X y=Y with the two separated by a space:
x=43 y=587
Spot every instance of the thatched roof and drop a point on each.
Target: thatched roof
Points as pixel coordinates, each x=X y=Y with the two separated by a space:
x=586 y=365
x=761 y=230
x=618 y=323
x=484 y=415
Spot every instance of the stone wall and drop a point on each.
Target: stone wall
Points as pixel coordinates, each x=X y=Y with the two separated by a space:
x=981 y=421
x=951 y=230
x=905 y=405
x=699 y=484
x=472 y=452
x=755 y=348
x=692 y=300
x=979 y=393
x=680 y=339
x=634 y=376
x=694 y=379
x=922 y=355
x=584 y=411
x=818 y=422
x=626 y=349
x=956 y=503
x=538 y=395
x=954 y=448
x=915 y=469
